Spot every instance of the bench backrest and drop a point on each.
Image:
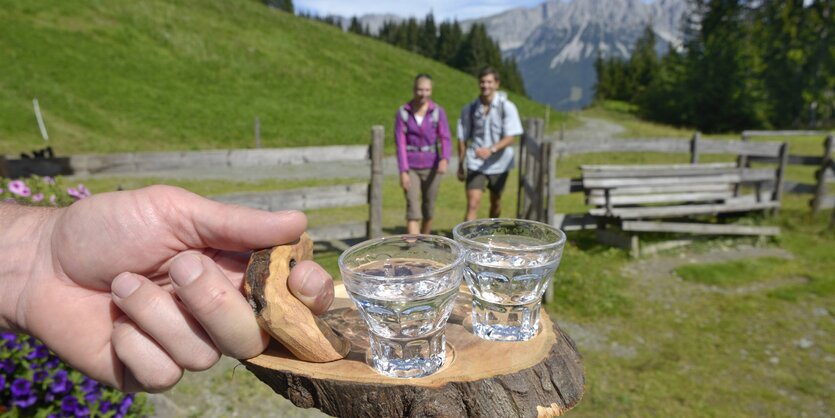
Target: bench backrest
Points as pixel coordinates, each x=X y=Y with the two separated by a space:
x=618 y=185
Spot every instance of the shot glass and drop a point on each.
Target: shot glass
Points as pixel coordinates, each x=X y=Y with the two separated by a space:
x=404 y=287
x=509 y=263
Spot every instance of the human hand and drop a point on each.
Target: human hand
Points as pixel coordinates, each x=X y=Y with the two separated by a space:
x=132 y=287
x=462 y=175
x=483 y=153
x=405 y=181
x=443 y=165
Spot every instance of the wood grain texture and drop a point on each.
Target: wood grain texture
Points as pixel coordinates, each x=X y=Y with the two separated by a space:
x=542 y=377
x=283 y=316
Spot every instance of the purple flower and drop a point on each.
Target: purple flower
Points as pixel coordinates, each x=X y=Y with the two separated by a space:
x=48 y=180
x=91 y=397
x=89 y=385
x=25 y=401
x=21 y=388
x=1 y=190
x=49 y=397
x=39 y=376
x=60 y=383
x=125 y=405
x=74 y=193
x=7 y=365
x=37 y=197
x=105 y=407
x=82 y=411
x=39 y=352
x=2 y=382
x=19 y=188
x=83 y=190
x=53 y=362
x=69 y=403
x=9 y=200
x=52 y=199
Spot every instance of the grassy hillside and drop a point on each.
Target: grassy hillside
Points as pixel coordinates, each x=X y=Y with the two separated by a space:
x=188 y=74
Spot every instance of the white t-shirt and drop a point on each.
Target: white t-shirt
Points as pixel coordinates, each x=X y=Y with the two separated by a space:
x=419 y=119
x=488 y=129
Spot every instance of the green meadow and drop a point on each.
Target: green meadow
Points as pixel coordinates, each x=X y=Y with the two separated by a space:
x=723 y=328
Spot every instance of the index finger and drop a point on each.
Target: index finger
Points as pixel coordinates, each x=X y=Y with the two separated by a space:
x=238 y=228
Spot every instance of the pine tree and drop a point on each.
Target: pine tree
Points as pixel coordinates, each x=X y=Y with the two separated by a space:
x=449 y=42
x=286 y=5
x=721 y=67
x=643 y=64
x=428 y=39
x=355 y=26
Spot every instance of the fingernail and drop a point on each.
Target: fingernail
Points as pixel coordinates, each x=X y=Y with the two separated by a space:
x=124 y=285
x=185 y=268
x=312 y=283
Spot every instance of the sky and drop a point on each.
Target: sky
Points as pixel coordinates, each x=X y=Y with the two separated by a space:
x=442 y=9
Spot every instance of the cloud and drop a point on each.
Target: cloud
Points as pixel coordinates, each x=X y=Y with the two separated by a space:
x=442 y=9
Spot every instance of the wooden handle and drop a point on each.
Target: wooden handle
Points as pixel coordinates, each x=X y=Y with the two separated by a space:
x=283 y=316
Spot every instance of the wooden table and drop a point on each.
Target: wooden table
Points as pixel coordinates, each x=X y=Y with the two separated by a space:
x=542 y=377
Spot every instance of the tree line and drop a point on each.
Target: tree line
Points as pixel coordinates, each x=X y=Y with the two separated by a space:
x=446 y=42
x=743 y=64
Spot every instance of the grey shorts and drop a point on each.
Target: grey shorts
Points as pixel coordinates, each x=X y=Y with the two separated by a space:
x=476 y=180
x=420 y=199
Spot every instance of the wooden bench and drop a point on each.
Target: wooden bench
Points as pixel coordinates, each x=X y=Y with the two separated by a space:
x=671 y=197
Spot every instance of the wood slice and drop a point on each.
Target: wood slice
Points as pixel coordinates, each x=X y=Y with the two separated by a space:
x=542 y=377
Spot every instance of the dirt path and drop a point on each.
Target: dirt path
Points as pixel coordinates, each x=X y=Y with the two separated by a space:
x=594 y=129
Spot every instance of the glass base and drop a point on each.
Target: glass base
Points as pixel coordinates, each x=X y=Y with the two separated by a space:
x=410 y=358
x=495 y=322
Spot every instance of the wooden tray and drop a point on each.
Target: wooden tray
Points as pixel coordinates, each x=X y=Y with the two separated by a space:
x=542 y=377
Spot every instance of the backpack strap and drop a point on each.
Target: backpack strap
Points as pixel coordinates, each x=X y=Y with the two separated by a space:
x=404 y=116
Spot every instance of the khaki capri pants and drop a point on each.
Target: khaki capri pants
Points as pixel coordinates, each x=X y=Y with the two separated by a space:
x=423 y=190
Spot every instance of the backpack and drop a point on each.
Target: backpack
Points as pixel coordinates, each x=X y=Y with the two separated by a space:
x=404 y=116
x=435 y=116
x=501 y=97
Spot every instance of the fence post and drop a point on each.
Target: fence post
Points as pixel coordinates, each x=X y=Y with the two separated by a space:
x=826 y=163
x=375 y=189
x=781 y=173
x=257 y=132
x=742 y=160
x=694 y=147
x=521 y=197
x=541 y=173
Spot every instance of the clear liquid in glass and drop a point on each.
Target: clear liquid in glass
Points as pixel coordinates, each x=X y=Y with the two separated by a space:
x=406 y=318
x=507 y=285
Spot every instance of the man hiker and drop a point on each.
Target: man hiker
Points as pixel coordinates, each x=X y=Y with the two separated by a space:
x=486 y=131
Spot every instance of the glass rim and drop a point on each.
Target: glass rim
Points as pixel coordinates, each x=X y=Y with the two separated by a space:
x=459 y=259
x=456 y=233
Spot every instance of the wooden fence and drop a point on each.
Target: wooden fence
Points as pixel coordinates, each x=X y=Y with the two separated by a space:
x=824 y=175
x=370 y=193
x=536 y=188
x=534 y=173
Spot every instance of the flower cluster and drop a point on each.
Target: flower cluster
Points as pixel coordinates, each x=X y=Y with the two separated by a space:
x=33 y=381
x=41 y=191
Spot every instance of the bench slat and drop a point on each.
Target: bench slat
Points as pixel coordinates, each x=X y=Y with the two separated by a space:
x=683 y=210
x=615 y=167
x=673 y=170
x=660 y=198
x=663 y=189
x=699 y=228
x=741 y=176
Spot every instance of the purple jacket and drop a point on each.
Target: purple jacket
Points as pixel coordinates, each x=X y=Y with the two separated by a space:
x=423 y=136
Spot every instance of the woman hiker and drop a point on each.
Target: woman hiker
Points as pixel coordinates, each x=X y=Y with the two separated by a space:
x=421 y=134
